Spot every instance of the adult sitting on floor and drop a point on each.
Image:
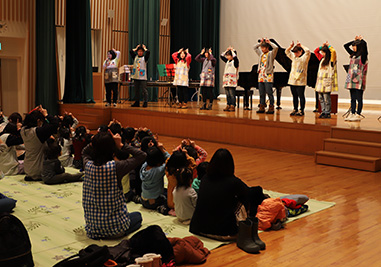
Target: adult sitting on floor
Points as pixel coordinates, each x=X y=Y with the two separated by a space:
x=105 y=210
x=219 y=205
x=38 y=126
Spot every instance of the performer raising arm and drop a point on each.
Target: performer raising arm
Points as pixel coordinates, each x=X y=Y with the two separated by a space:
x=110 y=66
x=140 y=54
x=298 y=76
x=356 y=78
x=182 y=60
x=327 y=77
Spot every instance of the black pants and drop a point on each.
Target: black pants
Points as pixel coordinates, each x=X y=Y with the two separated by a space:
x=298 y=93
x=316 y=100
x=356 y=96
x=207 y=93
x=114 y=88
x=246 y=97
x=278 y=95
x=140 y=86
x=183 y=93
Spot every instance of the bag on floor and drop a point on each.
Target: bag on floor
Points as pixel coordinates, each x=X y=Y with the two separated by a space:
x=15 y=246
x=91 y=256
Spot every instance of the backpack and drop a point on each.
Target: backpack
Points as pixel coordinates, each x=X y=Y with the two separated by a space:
x=15 y=246
x=91 y=256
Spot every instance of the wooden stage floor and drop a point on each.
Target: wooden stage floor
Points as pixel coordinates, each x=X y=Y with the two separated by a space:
x=279 y=131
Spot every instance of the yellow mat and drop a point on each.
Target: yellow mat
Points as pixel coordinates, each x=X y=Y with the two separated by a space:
x=53 y=216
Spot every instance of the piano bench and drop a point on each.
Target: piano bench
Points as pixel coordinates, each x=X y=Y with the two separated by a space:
x=239 y=93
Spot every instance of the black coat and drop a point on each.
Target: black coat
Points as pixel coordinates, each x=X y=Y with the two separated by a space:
x=217 y=202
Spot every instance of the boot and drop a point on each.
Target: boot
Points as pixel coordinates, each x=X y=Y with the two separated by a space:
x=261 y=109
x=270 y=110
x=227 y=108
x=203 y=107
x=135 y=104
x=244 y=239
x=232 y=108
x=256 y=238
x=210 y=106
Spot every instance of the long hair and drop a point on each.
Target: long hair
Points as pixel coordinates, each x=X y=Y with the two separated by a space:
x=185 y=55
x=103 y=148
x=221 y=164
x=177 y=160
x=112 y=52
x=362 y=50
x=327 y=57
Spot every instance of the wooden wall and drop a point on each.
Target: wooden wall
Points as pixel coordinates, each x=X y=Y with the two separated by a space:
x=24 y=12
x=114 y=31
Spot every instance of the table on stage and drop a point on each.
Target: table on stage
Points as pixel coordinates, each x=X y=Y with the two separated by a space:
x=192 y=84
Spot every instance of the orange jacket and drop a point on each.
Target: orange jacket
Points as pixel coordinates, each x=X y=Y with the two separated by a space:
x=271 y=210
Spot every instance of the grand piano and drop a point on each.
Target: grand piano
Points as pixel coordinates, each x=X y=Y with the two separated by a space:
x=248 y=80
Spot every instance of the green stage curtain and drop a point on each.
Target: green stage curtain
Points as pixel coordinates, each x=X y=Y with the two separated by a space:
x=79 y=76
x=46 y=68
x=144 y=28
x=196 y=24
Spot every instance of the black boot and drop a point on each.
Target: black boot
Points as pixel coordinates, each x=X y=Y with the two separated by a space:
x=203 y=107
x=244 y=239
x=135 y=104
x=256 y=238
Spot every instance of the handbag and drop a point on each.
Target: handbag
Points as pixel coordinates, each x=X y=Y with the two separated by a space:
x=91 y=256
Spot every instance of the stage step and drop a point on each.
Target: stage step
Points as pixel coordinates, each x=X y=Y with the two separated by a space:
x=353 y=147
x=358 y=135
x=346 y=160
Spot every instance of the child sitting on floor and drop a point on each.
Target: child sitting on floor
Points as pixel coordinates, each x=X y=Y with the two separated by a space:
x=9 y=139
x=201 y=171
x=184 y=196
x=52 y=170
x=178 y=160
x=66 y=143
x=152 y=176
x=105 y=210
x=81 y=139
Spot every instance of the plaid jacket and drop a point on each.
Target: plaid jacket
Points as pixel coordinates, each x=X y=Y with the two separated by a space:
x=103 y=202
x=356 y=78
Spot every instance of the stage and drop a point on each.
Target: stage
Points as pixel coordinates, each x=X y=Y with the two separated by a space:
x=279 y=131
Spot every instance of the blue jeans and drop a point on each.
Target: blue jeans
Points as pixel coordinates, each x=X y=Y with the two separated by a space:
x=230 y=96
x=265 y=88
x=135 y=222
x=356 y=95
x=325 y=103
